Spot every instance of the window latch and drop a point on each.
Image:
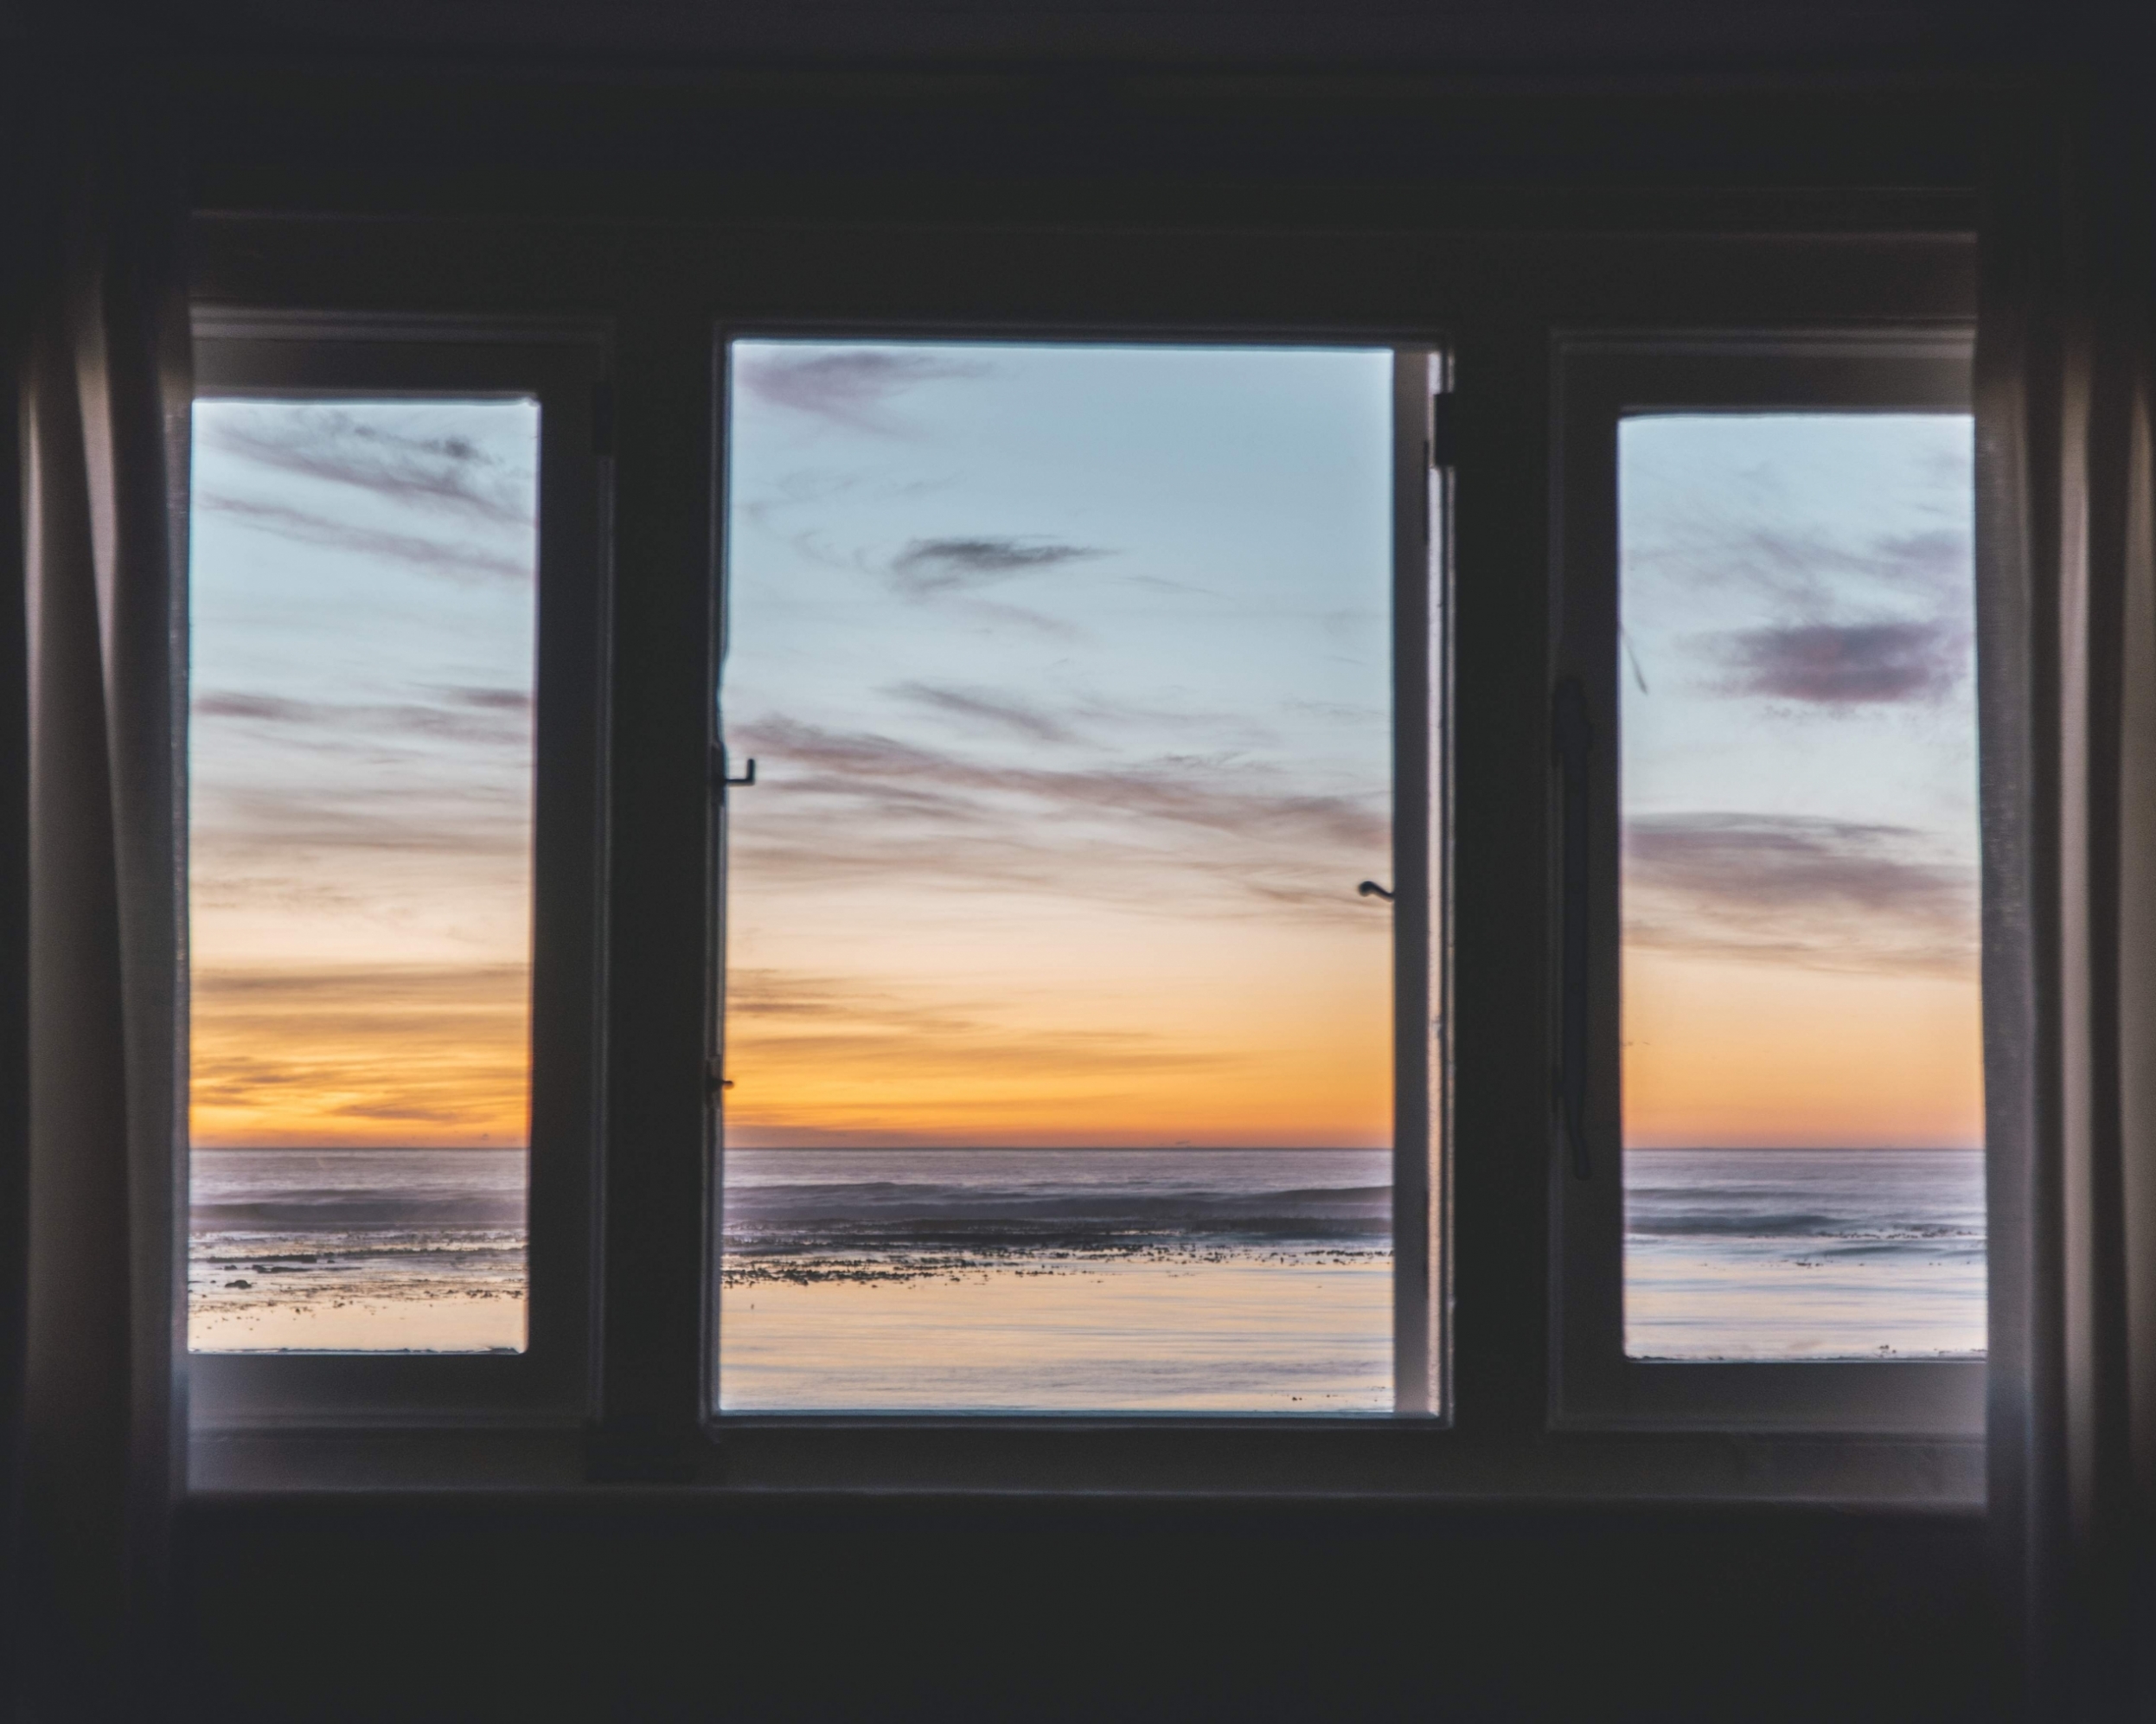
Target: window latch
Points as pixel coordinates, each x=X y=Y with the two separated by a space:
x=1370 y=888
x=719 y=772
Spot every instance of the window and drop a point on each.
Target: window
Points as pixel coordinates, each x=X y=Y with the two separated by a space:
x=929 y=890
x=1059 y=696
x=391 y=617
x=1775 y=1139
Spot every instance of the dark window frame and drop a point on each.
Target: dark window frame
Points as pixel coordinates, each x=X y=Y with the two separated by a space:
x=1500 y=295
x=1601 y=377
x=251 y=355
x=1420 y=689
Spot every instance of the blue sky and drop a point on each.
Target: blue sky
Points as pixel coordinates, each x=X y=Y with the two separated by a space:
x=363 y=608
x=1066 y=668
x=1799 y=770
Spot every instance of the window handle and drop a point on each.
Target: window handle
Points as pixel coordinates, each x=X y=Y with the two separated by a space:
x=719 y=765
x=1571 y=736
x=1370 y=888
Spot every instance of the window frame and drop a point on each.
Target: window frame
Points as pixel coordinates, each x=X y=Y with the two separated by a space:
x=1420 y=687
x=1601 y=377
x=253 y=355
x=1501 y=292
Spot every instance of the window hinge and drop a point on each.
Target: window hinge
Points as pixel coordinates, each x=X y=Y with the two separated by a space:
x=601 y=419
x=1443 y=439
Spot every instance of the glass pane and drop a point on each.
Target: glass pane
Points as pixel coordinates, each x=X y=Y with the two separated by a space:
x=1803 y=1087
x=362 y=612
x=1058 y=1035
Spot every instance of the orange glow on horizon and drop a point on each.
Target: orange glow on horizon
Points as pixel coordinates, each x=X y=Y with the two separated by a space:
x=384 y=1056
x=1719 y=1053
x=1086 y=1026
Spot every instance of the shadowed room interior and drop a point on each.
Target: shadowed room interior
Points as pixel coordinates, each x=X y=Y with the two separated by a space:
x=590 y=214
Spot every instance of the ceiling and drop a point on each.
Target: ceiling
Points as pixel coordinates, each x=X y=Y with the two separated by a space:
x=1544 y=37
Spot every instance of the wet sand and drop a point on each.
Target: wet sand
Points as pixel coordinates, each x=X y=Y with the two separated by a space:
x=1171 y=1332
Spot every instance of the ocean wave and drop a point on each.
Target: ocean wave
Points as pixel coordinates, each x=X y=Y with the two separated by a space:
x=824 y=1198
x=880 y=1218
x=355 y=1212
x=1786 y=1224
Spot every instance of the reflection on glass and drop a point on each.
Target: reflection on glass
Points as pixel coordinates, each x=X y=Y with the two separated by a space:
x=1058 y=1035
x=362 y=615
x=1803 y=1101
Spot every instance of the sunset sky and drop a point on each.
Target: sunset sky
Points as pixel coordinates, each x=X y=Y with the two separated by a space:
x=1799 y=762
x=360 y=766
x=1066 y=673
x=1066 y=670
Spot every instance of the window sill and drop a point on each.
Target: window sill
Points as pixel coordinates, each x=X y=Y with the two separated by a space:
x=1381 y=1459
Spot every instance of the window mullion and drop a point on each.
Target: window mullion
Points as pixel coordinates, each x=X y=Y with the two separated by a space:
x=656 y=1180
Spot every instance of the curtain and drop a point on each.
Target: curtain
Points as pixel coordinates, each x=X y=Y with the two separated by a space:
x=92 y=671
x=2066 y=381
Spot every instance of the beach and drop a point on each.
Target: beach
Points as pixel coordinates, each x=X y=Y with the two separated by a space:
x=1797 y=1254
x=418 y=1251
x=1076 y=1280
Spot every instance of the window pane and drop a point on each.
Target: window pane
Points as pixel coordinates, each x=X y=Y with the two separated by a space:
x=363 y=606
x=1058 y=1035
x=1803 y=1087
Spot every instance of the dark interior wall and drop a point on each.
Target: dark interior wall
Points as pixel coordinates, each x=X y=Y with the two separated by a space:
x=634 y=1605
x=1081 y=143
x=904 y=1610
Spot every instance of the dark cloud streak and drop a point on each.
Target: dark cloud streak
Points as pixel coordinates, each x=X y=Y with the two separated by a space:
x=1180 y=835
x=779 y=1018
x=1846 y=664
x=497 y=717
x=929 y=567
x=984 y=707
x=850 y=387
x=450 y=473
x=462 y=563
x=1830 y=893
x=1216 y=794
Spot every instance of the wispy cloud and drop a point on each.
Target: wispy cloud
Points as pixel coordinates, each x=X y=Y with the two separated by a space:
x=496 y=717
x=1829 y=894
x=1804 y=570
x=927 y=568
x=373 y=810
x=854 y=387
x=452 y=561
x=451 y=473
x=358 y=1052
x=784 y=1026
x=486 y=699
x=987 y=708
x=241 y=828
x=1181 y=833
x=1244 y=799
x=1845 y=665
x=366 y=987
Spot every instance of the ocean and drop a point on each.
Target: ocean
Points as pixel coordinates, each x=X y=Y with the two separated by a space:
x=1073 y=1280
x=1056 y=1280
x=1791 y=1254
x=356 y=1251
